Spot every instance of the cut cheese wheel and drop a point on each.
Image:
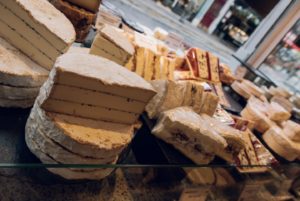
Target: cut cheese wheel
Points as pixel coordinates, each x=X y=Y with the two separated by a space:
x=280 y=144
x=31 y=26
x=56 y=151
x=16 y=69
x=18 y=93
x=88 y=138
x=20 y=103
x=91 y=5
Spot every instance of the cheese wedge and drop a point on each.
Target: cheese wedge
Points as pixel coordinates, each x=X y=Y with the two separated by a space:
x=20 y=103
x=58 y=153
x=18 y=93
x=31 y=26
x=99 y=74
x=16 y=69
x=112 y=44
x=91 y=5
x=186 y=131
x=88 y=138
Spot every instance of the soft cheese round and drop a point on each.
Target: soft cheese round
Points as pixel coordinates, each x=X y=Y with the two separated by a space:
x=47 y=15
x=16 y=69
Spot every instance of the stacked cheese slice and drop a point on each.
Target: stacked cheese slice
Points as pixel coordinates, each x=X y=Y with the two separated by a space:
x=20 y=77
x=199 y=137
x=172 y=94
x=82 y=14
x=86 y=113
x=37 y=28
x=112 y=44
x=284 y=141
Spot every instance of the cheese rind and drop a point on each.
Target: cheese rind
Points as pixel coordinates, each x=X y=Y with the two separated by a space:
x=24 y=103
x=17 y=93
x=16 y=69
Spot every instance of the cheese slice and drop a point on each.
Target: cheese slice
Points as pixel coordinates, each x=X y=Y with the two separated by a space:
x=94 y=98
x=186 y=131
x=209 y=103
x=18 y=93
x=149 y=65
x=164 y=68
x=140 y=61
x=91 y=5
x=85 y=137
x=16 y=69
x=202 y=64
x=20 y=103
x=214 y=68
x=110 y=43
x=58 y=153
x=95 y=73
x=67 y=173
x=31 y=26
x=171 y=69
x=157 y=67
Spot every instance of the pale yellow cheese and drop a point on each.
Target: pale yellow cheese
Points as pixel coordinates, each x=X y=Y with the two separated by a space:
x=140 y=61
x=149 y=65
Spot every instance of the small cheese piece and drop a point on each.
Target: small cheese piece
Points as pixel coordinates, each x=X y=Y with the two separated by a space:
x=186 y=131
x=95 y=73
x=91 y=5
x=18 y=93
x=88 y=138
x=149 y=65
x=58 y=153
x=280 y=144
x=16 y=69
x=41 y=19
x=209 y=103
x=112 y=44
x=252 y=88
x=214 y=68
x=140 y=61
x=81 y=19
x=197 y=96
x=20 y=103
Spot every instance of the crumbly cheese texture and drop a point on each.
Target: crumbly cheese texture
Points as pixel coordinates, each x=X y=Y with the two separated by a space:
x=16 y=69
x=31 y=26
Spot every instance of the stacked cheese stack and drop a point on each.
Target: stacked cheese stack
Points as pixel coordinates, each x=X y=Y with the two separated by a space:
x=37 y=28
x=200 y=65
x=246 y=89
x=82 y=14
x=172 y=94
x=29 y=27
x=86 y=113
x=112 y=44
x=20 y=77
x=200 y=138
x=284 y=141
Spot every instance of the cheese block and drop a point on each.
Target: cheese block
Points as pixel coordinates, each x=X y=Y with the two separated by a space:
x=18 y=93
x=91 y=5
x=189 y=93
x=171 y=69
x=67 y=173
x=140 y=61
x=239 y=88
x=58 y=153
x=157 y=67
x=214 y=68
x=292 y=130
x=81 y=19
x=164 y=68
x=152 y=108
x=186 y=131
x=99 y=74
x=33 y=29
x=277 y=113
x=252 y=88
x=88 y=138
x=19 y=103
x=197 y=95
x=201 y=64
x=280 y=144
x=149 y=65
x=209 y=103
x=285 y=103
x=112 y=44
x=16 y=69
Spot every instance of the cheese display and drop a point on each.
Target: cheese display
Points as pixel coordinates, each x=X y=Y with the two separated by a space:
x=112 y=44
x=20 y=77
x=31 y=26
x=185 y=130
x=79 y=81
x=81 y=19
